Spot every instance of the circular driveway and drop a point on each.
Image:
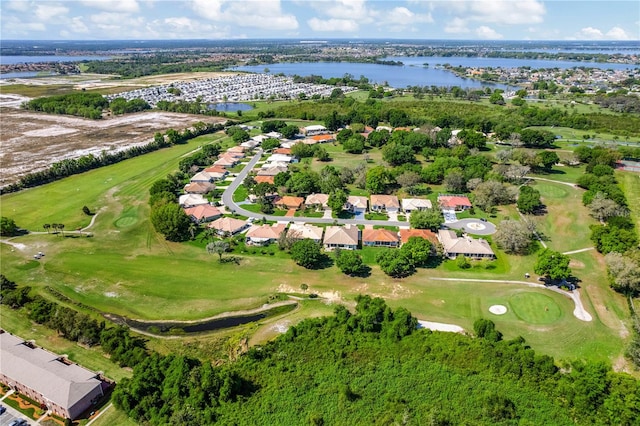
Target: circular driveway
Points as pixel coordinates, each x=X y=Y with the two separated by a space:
x=474 y=226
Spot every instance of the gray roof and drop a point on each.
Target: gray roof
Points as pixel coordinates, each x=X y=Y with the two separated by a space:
x=65 y=385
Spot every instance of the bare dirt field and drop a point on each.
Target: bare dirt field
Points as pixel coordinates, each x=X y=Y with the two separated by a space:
x=32 y=141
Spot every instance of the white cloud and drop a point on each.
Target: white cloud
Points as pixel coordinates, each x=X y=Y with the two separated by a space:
x=334 y=25
x=128 y=6
x=264 y=14
x=17 y=5
x=15 y=26
x=77 y=25
x=46 y=12
x=589 y=33
x=402 y=15
x=487 y=33
x=617 y=33
x=497 y=11
x=456 y=26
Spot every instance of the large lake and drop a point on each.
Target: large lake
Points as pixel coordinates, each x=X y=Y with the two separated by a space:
x=415 y=73
x=10 y=60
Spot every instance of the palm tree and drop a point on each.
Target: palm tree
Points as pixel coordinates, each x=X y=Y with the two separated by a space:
x=193 y=227
x=55 y=228
x=46 y=227
x=61 y=226
x=218 y=247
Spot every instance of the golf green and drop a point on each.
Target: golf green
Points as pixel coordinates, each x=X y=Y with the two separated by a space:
x=551 y=191
x=535 y=308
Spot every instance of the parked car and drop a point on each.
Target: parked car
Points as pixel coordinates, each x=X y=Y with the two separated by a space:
x=483 y=219
x=2 y=409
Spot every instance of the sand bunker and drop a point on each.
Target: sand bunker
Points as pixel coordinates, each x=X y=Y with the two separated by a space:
x=498 y=309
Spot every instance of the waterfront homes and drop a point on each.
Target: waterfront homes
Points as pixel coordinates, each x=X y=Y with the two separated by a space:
x=412 y=204
x=300 y=231
x=356 y=204
x=385 y=203
x=342 y=237
x=379 y=238
x=316 y=201
x=65 y=388
x=203 y=213
x=454 y=202
x=466 y=246
x=261 y=235
x=228 y=225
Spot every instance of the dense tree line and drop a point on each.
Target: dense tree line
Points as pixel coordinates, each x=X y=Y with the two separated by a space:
x=72 y=166
x=373 y=366
x=123 y=348
x=156 y=63
x=87 y=105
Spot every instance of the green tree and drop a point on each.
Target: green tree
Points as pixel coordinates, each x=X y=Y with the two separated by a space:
x=547 y=159
x=528 y=200
x=496 y=98
x=8 y=227
x=171 y=221
x=426 y=219
x=307 y=253
x=271 y=143
x=513 y=236
x=624 y=272
x=377 y=179
x=349 y=262
x=396 y=154
x=219 y=247
x=553 y=265
x=337 y=200
x=289 y=131
x=354 y=145
x=418 y=250
x=395 y=263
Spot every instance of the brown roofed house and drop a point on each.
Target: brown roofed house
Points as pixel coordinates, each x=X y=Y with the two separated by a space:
x=198 y=187
x=288 y=202
x=356 y=203
x=316 y=201
x=343 y=237
x=405 y=234
x=285 y=151
x=228 y=225
x=388 y=203
x=265 y=179
x=238 y=148
x=466 y=246
x=455 y=202
x=203 y=213
x=216 y=169
x=380 y=238
x=261 y=235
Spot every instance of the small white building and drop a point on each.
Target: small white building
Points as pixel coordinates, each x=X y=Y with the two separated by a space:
x=315 y=129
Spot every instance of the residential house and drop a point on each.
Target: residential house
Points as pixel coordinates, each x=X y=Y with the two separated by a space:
x=237 y=149
x=312 y=140
x=228 y=225
x=454 y=202
x=264 y=179
x=342 y=237
x=379 y=238
x=64 y=388
x=274 y=135
x=466 y=246
x=315 y=129
x=203 y=213
x=231 y=154
x=204 y=177
x=316 y=201
x=284 y=151
x=214 y=170
x=385 y=203
x=412 y=204
x=271 y=171
x=356 y=204
x=250 y=144
x=405 y=234
x=259 y=138
x=198 y=187
x=226 y=162
x=191 y=200
x=287 y=202
x=300 y=231
x=282 y=158
x=261 y=235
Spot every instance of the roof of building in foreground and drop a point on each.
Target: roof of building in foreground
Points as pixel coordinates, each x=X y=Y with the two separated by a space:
x=62 y=383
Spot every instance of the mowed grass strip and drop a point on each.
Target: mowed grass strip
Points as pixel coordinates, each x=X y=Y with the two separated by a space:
x=630 y=183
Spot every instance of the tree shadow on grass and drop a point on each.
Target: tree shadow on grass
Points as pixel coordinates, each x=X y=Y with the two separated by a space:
x=433 y=262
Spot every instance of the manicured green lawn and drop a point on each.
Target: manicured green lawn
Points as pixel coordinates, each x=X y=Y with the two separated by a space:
x=240 y=194
x=630 y=183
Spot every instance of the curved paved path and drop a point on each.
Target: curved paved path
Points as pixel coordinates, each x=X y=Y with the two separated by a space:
x=579 y=312
x=227 y=200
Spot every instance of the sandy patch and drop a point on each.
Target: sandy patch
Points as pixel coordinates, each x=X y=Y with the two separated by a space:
x=576 y=264
x=439 y=326
x=498 y=309
x=50 y=131
x=111 y=294
x=331 y=296
x=281 y=326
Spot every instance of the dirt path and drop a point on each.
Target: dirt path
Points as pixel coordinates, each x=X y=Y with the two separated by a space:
x=579 y=312
x=573 y=185
x=579 y=251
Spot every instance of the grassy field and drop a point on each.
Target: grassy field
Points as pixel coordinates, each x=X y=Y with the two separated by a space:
x=630 y=183
x=126 y=268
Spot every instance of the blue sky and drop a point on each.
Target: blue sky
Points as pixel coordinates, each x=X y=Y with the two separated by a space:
x=320 y=19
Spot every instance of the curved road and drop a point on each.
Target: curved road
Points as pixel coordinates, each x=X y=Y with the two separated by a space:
x=227 y=200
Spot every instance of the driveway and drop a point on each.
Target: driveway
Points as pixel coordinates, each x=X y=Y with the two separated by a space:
x=474 y=226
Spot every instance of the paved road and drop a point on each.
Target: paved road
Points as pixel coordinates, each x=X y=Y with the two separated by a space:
x=227 y=200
